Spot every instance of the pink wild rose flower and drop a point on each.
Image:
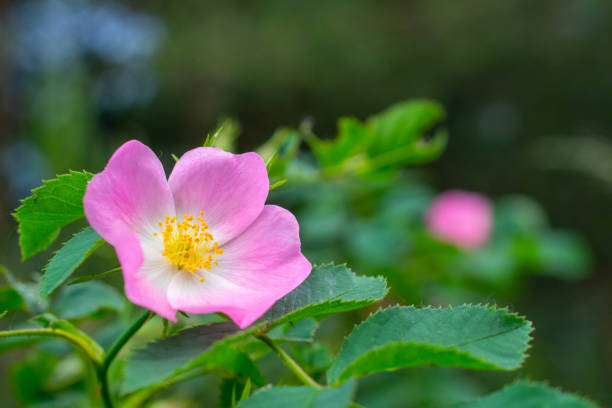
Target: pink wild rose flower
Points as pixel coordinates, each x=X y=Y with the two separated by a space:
x=202 y=241
x=460 y=218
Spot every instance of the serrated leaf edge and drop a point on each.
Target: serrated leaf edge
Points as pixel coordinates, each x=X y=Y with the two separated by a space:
x=493 y=307
x=95 y=246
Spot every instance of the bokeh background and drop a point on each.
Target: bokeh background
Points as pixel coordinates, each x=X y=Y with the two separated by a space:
x=527 y=87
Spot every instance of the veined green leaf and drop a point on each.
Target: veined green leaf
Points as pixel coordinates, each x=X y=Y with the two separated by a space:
x=527 y=394
x=50 y=207
x=328 y=289
x=68 y=258
x=82 y=300
x=301 y=397
x=468 y=336
x=207 y=346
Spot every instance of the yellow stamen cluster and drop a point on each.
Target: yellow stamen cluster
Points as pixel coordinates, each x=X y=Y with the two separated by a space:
x=188 y=244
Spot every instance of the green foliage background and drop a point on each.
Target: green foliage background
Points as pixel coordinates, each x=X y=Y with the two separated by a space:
x=527 y=90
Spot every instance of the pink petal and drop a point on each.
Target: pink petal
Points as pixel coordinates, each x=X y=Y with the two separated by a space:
x=461 y=218
x=123 y=204
x=230 y=189
x=256 y=269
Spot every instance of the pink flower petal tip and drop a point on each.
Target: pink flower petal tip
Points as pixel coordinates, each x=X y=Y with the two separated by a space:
x=460 y=218
x=202 y=241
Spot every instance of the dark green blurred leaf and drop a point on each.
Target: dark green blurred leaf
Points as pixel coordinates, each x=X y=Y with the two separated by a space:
x=50 y=207
x=28 y=377
x=68 y=258
x=29 y=291
x=564 y=255
x=476 y=337
x=328 y=289
x=83 y=300
x=10 y=299
x=96 y=276
x=526 y=394
x=209 y=346
x=518 y=214
x=314 y=358
x=301 y=397
x=302 y=330
x=232 y=391
x=278 y=151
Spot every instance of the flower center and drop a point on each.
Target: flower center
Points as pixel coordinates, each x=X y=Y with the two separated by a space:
x=188 y=244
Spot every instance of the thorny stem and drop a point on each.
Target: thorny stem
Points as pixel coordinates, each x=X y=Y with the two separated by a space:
x=289 y=362
x=112 y=353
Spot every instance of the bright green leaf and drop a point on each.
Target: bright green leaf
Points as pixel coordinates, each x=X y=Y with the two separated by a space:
x=399 y=133
x=328 y=289
x=475 y=337
x=301 y=397
x=83 y=300
x=68 y=258
x=526 y=394
x=207 y=346
x=50 y=207
x=405 y=134
x=353 y=137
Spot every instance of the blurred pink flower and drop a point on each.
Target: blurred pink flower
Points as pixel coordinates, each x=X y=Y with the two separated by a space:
x=200 y=242
x=460 y=218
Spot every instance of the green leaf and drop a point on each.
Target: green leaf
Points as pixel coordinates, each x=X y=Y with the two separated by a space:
x=328 y=289
x=10 y=299
x=86 y=299
x=28 y=377
x=527 y=394
x=96 y=276
x=564 y=255
x=50 y=207
x=207 y=346
x=353 y=137
x=301 y=397
x=300 y=331
x=399 y=133
x=29 y=291
x=68 y=258
x=278 y=152
x=475 y=337
x=405 y=134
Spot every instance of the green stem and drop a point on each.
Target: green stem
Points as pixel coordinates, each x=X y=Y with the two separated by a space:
x=289 y=362
x=112 y=353
x=91 y=353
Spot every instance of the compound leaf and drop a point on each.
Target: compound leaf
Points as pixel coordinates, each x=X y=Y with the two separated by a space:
x=50 y=207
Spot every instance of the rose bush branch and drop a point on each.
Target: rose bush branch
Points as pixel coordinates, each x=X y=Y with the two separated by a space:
x=289 y=362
